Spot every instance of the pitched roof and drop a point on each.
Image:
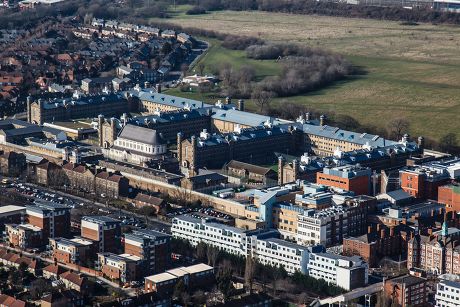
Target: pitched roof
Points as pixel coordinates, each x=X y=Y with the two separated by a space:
x=141 y=135
x=54 y=269
x=9 y=301
x=73 y=278
x=250 y=167
x=155 y=201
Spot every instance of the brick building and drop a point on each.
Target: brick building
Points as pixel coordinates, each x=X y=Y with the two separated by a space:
x=450 y=196
x=252 y=145
x=12 y=163
x=24 y=236
x=124 y=267
x=348 y=177
x=422 y=183
x=11 y=215
x=77 y=251
x=438 y=252
x=379 y=242
x=105 y=231
x=407 y=291
x=41 y=111
x=52 y=218
x=76 y=282
x=152 y=247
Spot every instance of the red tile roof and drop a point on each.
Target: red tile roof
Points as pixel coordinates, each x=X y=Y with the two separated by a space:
x=8 y=301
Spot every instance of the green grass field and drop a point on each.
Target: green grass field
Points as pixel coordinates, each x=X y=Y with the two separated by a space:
x=412 y=71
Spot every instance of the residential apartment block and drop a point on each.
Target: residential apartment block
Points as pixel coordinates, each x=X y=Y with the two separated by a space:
x=124 y=267
x=105 y=231
x=52 y=218
x=11 y=215
x=24 y=236
x=152 y=247
x=77 y=250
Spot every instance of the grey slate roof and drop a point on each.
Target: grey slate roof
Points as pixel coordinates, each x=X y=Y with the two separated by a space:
x=141 y=135
x=345 y=135
x=241 y=117
x=174 y=101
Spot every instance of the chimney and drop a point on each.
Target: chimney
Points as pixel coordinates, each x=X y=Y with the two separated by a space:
x=307 y=116
x=392 y=231
x=158 y=87
x=378 y=227
x=382 y=233
x=369 y=229
x=421 y=142
x=227 y=100
x=146 y=84
x=241 y=105
x=432 y=212
x=322 y=120
x=404 y=221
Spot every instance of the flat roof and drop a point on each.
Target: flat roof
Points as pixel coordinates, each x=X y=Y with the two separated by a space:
x=162 y=277
x=81 y=241
x=197 y=268
x=11 y=209
x=30 y=227
x=130 y=257
x=179 y=272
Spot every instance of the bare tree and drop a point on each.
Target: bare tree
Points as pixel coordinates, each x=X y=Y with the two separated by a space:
x=448 y=142
x=201 y=68
x=397 y=127
x=184 y=68
x=249 y=272
x=261 y=98
x=212 y=254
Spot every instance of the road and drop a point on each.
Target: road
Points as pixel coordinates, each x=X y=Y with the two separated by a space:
x=153 y=222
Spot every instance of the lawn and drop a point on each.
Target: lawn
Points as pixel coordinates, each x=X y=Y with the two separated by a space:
x=412 y=71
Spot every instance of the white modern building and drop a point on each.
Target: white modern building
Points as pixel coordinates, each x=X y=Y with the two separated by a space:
x=266 y=248
x=322 y=226
x=345 y=272
x=447 y=293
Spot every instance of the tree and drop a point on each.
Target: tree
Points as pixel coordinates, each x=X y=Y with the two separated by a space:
x=38 y=287
x=397 y=127
x=166 y=48
x=224 y=279
x=212 y=254
x=201 y=68
x=261 y=98
x=179 y=289
x=184 y=69
x=249 y=272
x=448 y=142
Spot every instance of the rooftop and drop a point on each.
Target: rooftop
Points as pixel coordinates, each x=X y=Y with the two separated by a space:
x=162 y=277
x=11 y=209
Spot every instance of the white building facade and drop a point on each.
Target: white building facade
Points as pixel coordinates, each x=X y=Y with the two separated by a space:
x=266 y=248
x=447 y=294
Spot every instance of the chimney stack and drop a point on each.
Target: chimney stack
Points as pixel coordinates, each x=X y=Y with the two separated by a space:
x=158 y=88
x=392 y=231
x=369 y=229
x=382 y=233
x=241 y=105
x=322 y=120
x=307 y=116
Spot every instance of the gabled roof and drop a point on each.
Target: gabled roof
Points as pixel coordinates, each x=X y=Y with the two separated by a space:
x=250 y=167
x=141 y=135
x=54 y=269
x=9 y=301
x=73 y=278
